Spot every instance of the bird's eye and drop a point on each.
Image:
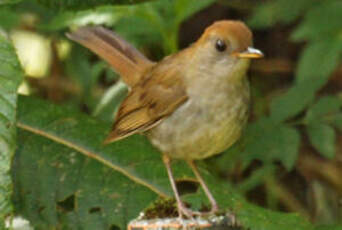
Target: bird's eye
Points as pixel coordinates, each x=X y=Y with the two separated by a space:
x=220 y=45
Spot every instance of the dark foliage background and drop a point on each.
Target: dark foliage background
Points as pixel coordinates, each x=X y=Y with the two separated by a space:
x=55 y=172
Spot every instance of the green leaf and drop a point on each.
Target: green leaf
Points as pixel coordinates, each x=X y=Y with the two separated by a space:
x=150 y=23
x=329 y=227
x=337 y=122
x=267 y=141
x=111 y=99
x=251 y=216
x=186 y=8
x=323 y=109
x=106 y=15
x=8 y=18
x=10 y=78
x=154 y=12
x=5 y=2
x=316 y=63
x=61 y=163
x=319 y=59
x=323 y=138
x=323 y=20
x=84 y=73
x=257 y=178
x=284 y=11
x=81 y=4
x=294 y=100
x=65 y=178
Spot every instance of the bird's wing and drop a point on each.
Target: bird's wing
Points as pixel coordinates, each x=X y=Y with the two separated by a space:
x=122 y=56
x=150 y=101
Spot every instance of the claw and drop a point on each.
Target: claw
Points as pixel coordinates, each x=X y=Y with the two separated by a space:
x=184 y=211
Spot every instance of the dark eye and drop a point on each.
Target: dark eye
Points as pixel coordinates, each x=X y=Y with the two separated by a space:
x=220 y=45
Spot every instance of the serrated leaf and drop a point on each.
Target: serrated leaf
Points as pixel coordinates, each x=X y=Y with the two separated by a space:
x=267 y=141
x=320 y=111
x=10 y=78
x=323 y=20
x=65 y=177
x=319 y=59
x=316 y=63
x=323 y=138
x=294 y=100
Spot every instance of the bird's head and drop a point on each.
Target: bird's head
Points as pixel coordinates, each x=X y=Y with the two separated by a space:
x=225 y=45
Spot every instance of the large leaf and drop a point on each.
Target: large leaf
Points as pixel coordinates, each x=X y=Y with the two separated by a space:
x=317 y=62
x=324 y=19
x=295 y=99
x=10 y=77
x=324 y=110
x=319 y=59
x=267 y=141
x=63 y=152
x=323 y=138
x=66 y=179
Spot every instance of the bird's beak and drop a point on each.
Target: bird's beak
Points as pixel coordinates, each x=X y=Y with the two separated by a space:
x=249 y=53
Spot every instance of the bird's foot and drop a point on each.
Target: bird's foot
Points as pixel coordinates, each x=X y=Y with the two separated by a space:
x=190 y=214
x=183 y=211
x=214 y=209
x=233 y=220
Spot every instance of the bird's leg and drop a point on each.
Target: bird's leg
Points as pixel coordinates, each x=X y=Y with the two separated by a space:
x=214 y=206
x=182 y=210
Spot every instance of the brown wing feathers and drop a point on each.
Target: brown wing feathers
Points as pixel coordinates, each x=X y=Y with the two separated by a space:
x=156 y=89
x=149 y=102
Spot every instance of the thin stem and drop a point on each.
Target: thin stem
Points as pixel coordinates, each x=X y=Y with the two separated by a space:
x=286 y=197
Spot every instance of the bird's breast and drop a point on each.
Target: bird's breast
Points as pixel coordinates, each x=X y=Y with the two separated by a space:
x=210 y=121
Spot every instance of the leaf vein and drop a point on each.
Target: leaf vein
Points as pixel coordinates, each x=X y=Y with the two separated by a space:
x=90 y=155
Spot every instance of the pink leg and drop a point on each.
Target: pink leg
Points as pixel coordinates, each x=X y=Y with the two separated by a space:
x=214 y=206
x=182 y=210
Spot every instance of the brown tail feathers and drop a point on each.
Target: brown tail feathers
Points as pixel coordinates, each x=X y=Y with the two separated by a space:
x=122 y=56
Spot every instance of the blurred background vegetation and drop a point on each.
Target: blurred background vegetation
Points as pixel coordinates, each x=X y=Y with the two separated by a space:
x=290 y=157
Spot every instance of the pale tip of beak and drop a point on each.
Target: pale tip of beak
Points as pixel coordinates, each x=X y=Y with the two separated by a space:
x=250 y=53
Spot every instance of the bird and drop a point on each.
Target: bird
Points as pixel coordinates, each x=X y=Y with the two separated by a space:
x=192 y=104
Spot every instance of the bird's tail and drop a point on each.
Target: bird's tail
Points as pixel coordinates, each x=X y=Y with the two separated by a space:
x=123 y=57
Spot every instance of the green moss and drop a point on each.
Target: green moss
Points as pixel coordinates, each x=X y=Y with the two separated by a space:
x=162 y=208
